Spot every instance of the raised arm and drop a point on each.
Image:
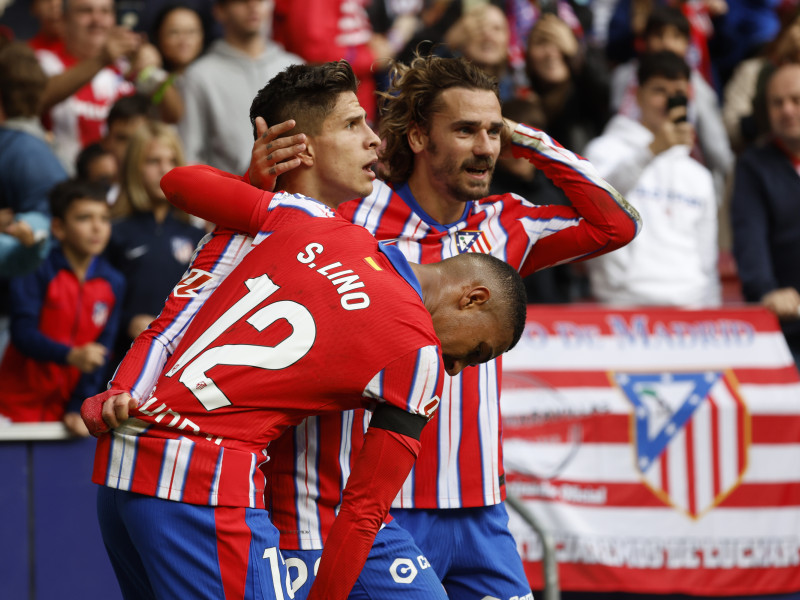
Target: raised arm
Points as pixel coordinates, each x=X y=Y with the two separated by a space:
x=602 y=220
x=217 y=196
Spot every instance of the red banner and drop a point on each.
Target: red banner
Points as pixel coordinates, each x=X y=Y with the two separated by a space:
x=660 y=448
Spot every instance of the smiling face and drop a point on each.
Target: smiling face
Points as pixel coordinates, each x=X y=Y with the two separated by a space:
x=487 y=36
x=180 y=37
x=344 y=152
x=87 y=24
x=462 y=145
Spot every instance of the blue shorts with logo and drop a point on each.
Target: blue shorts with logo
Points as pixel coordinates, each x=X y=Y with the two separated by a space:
x=395 y=568
x=471 y=549
x=166 y=549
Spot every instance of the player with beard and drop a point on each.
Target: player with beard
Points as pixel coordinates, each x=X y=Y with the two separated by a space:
x=443 y=131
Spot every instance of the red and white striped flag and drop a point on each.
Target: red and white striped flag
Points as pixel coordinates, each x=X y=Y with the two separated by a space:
x=660 y=447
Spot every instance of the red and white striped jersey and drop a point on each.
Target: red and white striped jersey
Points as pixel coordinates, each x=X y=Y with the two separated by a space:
x=80 y=119
x=290 y=332
x=460 y=464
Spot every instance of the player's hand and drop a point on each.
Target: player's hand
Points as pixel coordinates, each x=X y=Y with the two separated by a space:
x=272 y=154
x=107 y=410
x=88 y=357
x=74 y=423
x=505 y=137
x=784 y=302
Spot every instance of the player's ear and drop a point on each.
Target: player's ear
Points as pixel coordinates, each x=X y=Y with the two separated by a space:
x=417 y=139
x=474 y=297
x=308 y=156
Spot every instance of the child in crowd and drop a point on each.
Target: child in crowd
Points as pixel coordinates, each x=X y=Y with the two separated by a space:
x=64 y=315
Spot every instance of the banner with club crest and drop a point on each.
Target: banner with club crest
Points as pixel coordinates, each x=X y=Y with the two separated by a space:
x=659 y=447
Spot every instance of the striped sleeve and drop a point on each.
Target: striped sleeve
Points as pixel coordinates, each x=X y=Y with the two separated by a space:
x=606 y=220
x=412 y=382
x=216 y=256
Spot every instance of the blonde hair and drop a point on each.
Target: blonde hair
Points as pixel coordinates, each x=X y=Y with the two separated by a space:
x=133 y=197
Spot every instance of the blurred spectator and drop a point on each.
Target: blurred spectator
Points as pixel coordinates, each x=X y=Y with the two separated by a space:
x=743 y=32
x=764 y=209
x=324 y=30
x=152 y=243
x=519 y=176
x=482 y=36
x=629 y=20
x=668 y=29
x=85 y=78
x=673 y=261
x=218 y=87
x=126 y=116
x=571 y=82
x=97 y=165
x=28 y=167
x=64 y=315
x=50 y=14
x=523 y=14
x=743 y=109
x=179 y=34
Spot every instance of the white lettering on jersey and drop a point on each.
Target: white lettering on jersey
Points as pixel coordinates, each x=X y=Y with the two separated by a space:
x=345 y=280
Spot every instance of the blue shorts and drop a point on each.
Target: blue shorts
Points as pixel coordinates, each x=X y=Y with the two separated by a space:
x=395 y=568
x=471 y=549
x=165 y=549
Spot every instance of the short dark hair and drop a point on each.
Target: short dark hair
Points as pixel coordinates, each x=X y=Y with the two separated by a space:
x=664 y=64
x=508 y=288
x=128 y=107
x=85 y=158
x=22 y=80
x=305 y=93
x=64 y=194
x=666 y=16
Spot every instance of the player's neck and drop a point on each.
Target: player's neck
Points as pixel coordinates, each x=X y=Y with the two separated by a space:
x=440 y=208
x=303 y=181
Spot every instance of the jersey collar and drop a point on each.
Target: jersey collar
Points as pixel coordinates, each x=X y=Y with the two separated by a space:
x=400 y=264
x=405 y=193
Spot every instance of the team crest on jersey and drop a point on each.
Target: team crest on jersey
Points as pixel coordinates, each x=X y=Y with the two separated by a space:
x=472 y=241
x=182 y=249
x=691 y=433
x=99 y=314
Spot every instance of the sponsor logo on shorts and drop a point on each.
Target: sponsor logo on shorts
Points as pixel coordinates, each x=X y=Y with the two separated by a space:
x=403 y=570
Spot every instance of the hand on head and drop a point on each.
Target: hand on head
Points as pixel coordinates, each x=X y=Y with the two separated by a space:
x=272 y=154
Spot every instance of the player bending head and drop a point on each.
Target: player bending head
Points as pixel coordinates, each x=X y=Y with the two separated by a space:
x=488 y=316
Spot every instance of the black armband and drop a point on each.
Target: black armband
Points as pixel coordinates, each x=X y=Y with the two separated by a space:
x=391 y=418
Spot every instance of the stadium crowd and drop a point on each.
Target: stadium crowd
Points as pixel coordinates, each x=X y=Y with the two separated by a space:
x=689 y=108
